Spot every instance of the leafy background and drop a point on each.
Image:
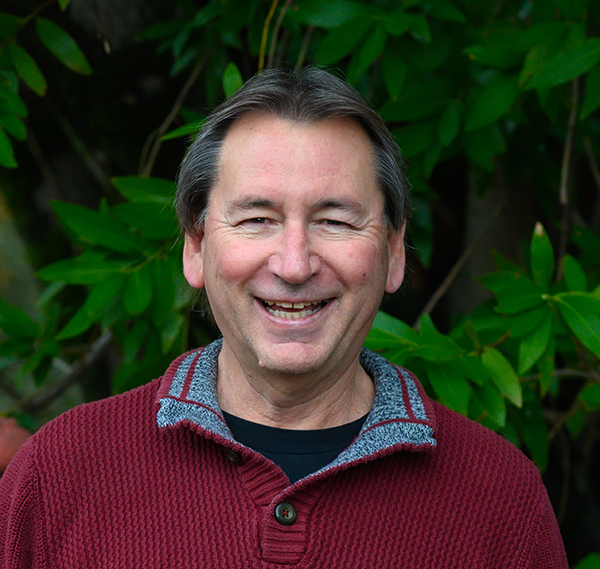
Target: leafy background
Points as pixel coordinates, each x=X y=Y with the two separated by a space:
x=495 y=106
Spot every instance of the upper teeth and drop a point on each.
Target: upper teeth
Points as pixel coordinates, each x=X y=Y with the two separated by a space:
x=299 y=305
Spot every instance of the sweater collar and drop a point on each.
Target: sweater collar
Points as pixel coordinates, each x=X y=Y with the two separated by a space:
x=402 y=416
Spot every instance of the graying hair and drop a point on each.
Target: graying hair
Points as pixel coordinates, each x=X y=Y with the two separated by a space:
x=309 y=96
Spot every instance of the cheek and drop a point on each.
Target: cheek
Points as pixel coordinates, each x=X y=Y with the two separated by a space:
x=233 y=261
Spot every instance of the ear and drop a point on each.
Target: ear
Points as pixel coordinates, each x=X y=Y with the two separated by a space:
x=193 y=267
x=396 y=259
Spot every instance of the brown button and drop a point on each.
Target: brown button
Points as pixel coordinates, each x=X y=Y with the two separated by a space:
x=285 y=514
x=232 y=456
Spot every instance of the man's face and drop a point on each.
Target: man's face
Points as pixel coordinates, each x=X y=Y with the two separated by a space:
x=294 y=253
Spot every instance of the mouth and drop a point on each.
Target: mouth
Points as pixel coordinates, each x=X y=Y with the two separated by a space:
x=293 y=310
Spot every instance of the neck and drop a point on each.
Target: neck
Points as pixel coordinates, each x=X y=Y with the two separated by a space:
x=293 y=401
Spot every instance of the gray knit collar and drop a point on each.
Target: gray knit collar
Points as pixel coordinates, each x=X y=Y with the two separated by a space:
x=402 y=416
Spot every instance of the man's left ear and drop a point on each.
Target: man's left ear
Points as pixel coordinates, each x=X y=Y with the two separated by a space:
x=396 y=259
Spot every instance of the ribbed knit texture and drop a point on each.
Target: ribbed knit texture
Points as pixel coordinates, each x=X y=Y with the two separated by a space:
x=104 y=486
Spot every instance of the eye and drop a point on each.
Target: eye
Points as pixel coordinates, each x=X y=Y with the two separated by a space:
x=335 y=223
x=256 y=220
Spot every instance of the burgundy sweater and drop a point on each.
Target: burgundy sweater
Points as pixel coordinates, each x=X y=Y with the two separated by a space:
x=152 y=478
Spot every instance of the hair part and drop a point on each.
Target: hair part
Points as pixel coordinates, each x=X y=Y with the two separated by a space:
x=308 y=96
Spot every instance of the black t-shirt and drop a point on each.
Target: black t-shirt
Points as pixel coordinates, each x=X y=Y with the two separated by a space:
x=297 y=453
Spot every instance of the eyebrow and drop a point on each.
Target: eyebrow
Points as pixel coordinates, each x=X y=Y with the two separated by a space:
x=249 y=203
x=348 y=205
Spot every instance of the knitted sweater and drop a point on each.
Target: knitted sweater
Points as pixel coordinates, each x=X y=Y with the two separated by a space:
x=152 y=478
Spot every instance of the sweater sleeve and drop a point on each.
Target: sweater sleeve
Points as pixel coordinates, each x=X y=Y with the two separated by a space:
x=544 y=546
x=22 y=543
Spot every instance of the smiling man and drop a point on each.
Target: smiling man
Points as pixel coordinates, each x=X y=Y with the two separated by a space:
x=284 y=443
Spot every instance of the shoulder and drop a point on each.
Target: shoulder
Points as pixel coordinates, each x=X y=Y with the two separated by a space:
x=477 y=453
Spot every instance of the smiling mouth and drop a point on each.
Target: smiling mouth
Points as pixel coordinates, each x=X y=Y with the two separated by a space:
x=293 y=310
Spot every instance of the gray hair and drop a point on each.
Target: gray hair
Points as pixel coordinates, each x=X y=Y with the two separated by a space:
x=308 y=96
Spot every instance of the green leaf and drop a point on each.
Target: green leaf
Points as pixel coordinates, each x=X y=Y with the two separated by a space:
x=394 y=70
x=416 y=137
x=575 y=424
x=484 y=144
x=190 y=130
x=388 y=333
x=397 y=22
x=370 y=50
x=500 y=280
x=138 y=290
x=547 y=366
x=567 y=65
x=449 y=124
x=16 y=323
x=62 y=46
x=418 y=101
x=492 y=402
x=433 y=346
x=519 y=297
x=452 y=388
x=163 y=301
x=232 y=79
x=63 y=4
x=494 y=55
x=524 y=323
x=420 y=27
x=503 y=375
x=99 y=229
x=494 y=101
x=342 y=40
x=171 y=330
x=445 y=11
x=28 y=69
x=153 y=220
x=574 y=274
x=542 y=257
x=534 y=345
x=544 y=42
x=145 y=189
x=572 y=9
x=7 y=156
x=581 y=313
x=85 y=270
x=590 y=395
x=9 y=24
x=13 y=125
x=328 y=14
x=94 y=306
x=591 y=100
x=533 y=428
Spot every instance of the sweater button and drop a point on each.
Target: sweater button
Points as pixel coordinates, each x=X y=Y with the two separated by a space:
x=232 y=456
x=285 y=513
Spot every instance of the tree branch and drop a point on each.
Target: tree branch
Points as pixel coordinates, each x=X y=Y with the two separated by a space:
x=265 y=35
x=275 y=33
x=41 y=397
x=303 y=49
x=563 y=194
x=451 y=276
x=155 y=139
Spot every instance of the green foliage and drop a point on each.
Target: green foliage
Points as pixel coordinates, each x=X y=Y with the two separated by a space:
x=479 y=368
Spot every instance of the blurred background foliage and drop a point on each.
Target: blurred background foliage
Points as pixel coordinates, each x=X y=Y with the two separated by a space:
x=495 y=106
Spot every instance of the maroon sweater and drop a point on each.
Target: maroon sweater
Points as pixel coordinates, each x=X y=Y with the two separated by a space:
x=153 y=479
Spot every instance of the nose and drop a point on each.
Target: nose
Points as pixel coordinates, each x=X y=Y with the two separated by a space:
x=294 y=261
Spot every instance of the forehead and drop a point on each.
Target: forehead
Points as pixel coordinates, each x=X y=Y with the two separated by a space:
x=266 y=151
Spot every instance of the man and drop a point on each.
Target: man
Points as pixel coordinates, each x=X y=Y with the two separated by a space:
x=284 y=444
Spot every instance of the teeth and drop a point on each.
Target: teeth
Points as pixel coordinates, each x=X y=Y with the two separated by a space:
x=293 y=315
x=273 y=305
